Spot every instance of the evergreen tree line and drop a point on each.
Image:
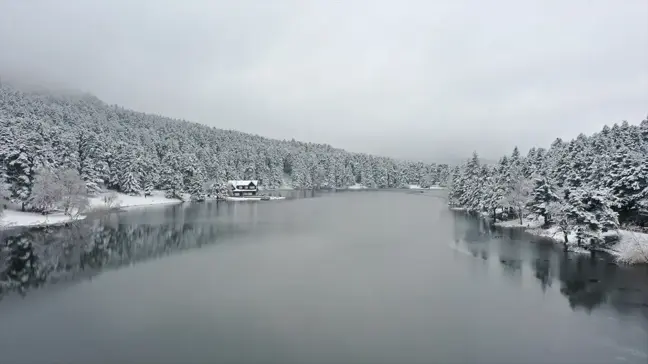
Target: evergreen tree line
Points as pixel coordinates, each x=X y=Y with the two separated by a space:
x=584 y=188
x=110 y=147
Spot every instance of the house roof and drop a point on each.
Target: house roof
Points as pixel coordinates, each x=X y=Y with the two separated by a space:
x=243 y=182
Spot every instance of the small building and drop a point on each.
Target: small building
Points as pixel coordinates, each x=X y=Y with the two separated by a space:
x=243 y=188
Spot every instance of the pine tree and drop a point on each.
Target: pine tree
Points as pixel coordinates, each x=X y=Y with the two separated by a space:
x=21 y=170
x=148 y=188
x=129 y=176
x=173 y=185
x=457 y=188
x=443 y=174
x=542 y=195
x=475 y=175
x=494 y=196
x=629 y=183
x=195 y=186
x=515 y=159
x=87 y=155
x=591 y=215
x=528 y=167
x=129 y=184
x=643 y=132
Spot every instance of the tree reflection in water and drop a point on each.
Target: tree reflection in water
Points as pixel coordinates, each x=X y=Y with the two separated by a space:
x=587 y=281
x=30 y=258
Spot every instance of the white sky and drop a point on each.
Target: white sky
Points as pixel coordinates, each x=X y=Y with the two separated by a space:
x=429 y=80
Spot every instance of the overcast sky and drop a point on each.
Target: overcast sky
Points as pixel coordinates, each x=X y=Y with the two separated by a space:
x=414 y=79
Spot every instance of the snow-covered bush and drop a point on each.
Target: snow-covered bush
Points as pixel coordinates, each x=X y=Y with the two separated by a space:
x=74 y=192
x=47 y=191
x=64 y=190
x=633 y=248
x=111 y=200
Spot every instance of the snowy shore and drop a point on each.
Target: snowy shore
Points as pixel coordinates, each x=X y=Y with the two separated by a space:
x=13 y=218
x=253 y=198
x=357 y=186
x=631 y=247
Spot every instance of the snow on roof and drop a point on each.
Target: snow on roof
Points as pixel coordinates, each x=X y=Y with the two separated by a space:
x=243 y=182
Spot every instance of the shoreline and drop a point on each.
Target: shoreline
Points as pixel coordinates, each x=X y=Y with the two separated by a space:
x=629 y=247
x=14 y=219
x=11 y=219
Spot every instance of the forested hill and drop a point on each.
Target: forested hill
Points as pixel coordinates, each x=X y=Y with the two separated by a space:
x=115 y=148
x=585 y=186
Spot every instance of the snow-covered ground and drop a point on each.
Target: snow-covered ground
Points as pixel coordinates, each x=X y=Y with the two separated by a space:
x=552 y=232
x=232 y=198
x=124 y=200
x=526 y=223
x=418 y=187
x=631 y=247
x=12 y=218
x=357 y=186
x=458 y=209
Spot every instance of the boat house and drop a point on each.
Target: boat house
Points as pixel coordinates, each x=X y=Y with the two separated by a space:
x=243 y=188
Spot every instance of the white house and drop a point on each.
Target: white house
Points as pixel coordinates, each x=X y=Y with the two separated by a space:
x=243 y=188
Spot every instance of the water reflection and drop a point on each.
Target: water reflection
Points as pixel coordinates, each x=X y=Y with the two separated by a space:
x=36 y=257
x=588 y=282
x=30 y=258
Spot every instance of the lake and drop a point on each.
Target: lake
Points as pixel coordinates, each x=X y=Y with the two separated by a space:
x=351 y=277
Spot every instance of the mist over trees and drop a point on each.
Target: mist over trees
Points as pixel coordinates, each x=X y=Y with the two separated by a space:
x=584 y=187
x=110 y=147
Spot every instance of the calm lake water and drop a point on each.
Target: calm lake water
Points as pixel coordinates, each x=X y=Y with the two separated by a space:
x=354 y=277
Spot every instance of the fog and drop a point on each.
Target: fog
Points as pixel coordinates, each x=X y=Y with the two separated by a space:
x=430 y=80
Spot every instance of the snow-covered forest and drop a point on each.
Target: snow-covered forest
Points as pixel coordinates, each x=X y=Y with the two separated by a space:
x=583 y=189
x=108 y=147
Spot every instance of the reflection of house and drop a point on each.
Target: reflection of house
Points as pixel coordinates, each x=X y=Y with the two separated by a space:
x=242 y=188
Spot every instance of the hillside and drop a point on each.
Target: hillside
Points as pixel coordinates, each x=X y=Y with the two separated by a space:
x=115 y=148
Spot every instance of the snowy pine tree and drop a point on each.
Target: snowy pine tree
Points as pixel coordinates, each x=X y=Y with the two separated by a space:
x=629 y=183
x=590 y=215
x=21 y=170
x=582 y=187
x=88 y=153
x=542 y=195
x=148 y=188
x=195 y=186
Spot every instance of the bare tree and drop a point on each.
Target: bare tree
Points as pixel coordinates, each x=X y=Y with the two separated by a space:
x=635 y=251
x=46 y=192
x=519 y=193
x=65 y=190
x=557 y=211
x=111 y=200
x=74 y=197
